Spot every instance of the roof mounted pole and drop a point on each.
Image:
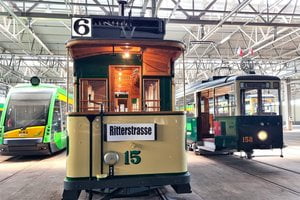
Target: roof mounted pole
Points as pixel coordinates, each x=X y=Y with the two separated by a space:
x=68 y=74
x=183 y=77
x=122 y=4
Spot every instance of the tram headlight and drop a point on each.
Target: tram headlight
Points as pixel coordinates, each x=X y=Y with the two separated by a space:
x=262 y=135
x=111 y=158
x=35 y=81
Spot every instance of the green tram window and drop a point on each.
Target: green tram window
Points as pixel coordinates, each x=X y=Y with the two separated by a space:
x=57 y=120
x=27 y=109
x=260 y=102
x=225 y=101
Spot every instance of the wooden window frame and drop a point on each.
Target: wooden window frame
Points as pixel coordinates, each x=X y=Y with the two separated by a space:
x=144 y=101
x=81 y=90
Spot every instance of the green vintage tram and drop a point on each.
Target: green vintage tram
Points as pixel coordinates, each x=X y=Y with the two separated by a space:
x=33 y=121
x=237 y=113
x=124 y=134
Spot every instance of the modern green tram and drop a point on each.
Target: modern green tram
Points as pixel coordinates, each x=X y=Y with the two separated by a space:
x=237 y=113
x=33 y=121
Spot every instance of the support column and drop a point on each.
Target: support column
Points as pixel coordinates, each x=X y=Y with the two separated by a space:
x=287 y=107
x=153 y=8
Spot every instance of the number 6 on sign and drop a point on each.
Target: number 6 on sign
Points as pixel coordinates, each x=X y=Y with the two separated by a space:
x=81 y=27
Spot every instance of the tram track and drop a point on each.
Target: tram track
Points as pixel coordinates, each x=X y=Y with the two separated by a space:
x=161 y=194
x=278 y=167
x=260 y=177
x=9 y=159
x=269 y=181
x=31 y=163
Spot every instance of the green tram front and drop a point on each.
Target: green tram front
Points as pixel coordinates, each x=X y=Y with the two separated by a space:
x=240 y=113
x=124 y=132
x=33 y=121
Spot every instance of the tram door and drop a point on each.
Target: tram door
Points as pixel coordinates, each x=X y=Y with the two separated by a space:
x=125 y=89
x=205 y=113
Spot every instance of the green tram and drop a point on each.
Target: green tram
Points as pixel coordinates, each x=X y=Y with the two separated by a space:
x=125 y=136
x=236 y=113
x=33 y=121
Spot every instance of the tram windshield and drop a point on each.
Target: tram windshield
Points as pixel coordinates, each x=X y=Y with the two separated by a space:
x=260 y=102
x=27 y=109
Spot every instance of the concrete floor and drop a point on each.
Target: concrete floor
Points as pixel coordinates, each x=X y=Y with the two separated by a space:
x=213 y=177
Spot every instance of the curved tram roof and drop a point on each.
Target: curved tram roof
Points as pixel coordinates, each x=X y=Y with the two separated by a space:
x=80 y=48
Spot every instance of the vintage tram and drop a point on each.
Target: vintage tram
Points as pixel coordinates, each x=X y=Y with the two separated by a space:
x=235 y=113
x=33 y=121
x=124 y=133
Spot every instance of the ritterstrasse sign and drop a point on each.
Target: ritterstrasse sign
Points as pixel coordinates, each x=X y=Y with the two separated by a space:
x=126 y=132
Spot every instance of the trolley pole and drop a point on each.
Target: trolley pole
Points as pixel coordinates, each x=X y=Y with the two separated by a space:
x=68 y=80
x=183 y=77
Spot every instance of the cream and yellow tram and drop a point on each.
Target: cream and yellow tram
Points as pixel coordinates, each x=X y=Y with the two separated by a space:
x=124 y=132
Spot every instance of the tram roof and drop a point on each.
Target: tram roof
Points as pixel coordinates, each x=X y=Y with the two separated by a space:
x=28 y=85
x=199 y=85
x=80 y=48
x=44 y=86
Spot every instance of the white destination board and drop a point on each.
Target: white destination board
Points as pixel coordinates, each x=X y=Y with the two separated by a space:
x=81 y=27
x=126 y=132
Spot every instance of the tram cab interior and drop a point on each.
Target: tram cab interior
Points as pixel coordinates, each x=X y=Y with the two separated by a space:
x=125 y=89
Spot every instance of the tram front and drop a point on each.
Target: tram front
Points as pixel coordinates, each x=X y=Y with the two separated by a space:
x=124 y=132
x=260 y=120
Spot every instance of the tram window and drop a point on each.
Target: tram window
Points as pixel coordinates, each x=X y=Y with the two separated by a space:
x=225 y=101
x=270 y=101
x=27 y=109
x=222 y=105
x=250 y=102
x=190 y=105
x=93 y=94
x=125 y=88
x=56 y=123
x=151 y=95
x=64 y=114
x=260 y=102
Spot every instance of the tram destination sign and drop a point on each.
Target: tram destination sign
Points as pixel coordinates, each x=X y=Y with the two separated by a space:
x=126 y=132
x=117 y=27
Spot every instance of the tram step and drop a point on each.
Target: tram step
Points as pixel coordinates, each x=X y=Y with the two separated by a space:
x=208 y=146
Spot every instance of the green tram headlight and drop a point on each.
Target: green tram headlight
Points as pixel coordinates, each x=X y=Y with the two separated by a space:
x=35 y=81
x=111 y=158
x=262 y=135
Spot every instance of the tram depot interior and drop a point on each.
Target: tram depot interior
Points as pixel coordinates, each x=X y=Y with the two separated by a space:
x=150 y=99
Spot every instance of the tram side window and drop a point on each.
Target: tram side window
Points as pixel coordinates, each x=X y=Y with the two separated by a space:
x=56 y=123
x=225 y=101
x=190 y=105
x=151 y=95
x=64 y=114
x=93 y=95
